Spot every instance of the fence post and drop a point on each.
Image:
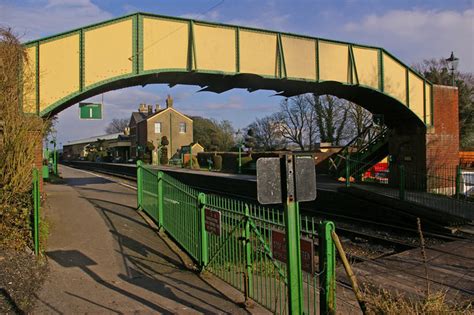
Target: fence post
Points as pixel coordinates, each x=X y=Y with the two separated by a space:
x=401 y=192
x=327 y=268
x=160 y=199
x=348 y=173
x=295 y=283
x=458 y=181
x=36 y=210
x=202 y=230
x=248 y=255
x=139 y=184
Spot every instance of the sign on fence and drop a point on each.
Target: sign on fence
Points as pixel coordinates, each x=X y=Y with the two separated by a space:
x=306 y=247
x=213 y=221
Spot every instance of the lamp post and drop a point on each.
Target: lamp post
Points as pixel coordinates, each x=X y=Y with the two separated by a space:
x=55 y=157
x=238 y=135
x=452 y=65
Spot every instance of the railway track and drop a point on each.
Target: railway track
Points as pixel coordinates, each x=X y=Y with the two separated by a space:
x=350 y=227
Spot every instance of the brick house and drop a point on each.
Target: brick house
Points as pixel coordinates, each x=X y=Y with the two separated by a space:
x=148 y=125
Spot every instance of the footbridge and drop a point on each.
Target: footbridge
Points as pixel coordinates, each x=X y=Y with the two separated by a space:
x=146 y=48
x=143 y=48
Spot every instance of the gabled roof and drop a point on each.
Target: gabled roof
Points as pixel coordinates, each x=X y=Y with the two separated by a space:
x=138 y=116
x=166 y=109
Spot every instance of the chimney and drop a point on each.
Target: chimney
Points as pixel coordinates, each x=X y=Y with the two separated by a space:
x=150 y=109
x=157 y=108
x=169 y=102
x=142 y=108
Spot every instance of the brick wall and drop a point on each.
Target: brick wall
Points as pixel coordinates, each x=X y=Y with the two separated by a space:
x=442 y=141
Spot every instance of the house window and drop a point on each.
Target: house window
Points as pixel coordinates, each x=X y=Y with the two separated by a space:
x=157 y=127
x=182 y=127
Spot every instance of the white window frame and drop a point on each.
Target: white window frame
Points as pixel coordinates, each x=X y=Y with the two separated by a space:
x=160 y=128
x=182 y=124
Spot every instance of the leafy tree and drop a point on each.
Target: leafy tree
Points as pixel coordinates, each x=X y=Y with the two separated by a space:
x=213 y=135
x=117 y=125
x=436 y=70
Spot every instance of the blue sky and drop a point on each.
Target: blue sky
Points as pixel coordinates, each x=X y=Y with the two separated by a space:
x=411 y=30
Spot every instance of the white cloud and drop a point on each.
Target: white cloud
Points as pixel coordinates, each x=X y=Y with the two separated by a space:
x=418 y=34
x=50 y=17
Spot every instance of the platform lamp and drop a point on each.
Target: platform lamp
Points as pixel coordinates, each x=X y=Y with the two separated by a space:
x=453 y=63
x=240 y=143
x=55 y=157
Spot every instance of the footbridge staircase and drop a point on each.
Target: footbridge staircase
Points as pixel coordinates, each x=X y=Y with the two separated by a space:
x=361 y=153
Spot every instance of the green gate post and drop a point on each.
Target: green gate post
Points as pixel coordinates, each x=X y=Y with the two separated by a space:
x=202 y=230
x=248 y=255
x=458 y=181
x=36 y=210
x=327 y=269
x=160 y=199
x=401 y=192
x=55 y=160
x=139 y=184
x=295 y=278
x=348 y=173
x=240 y=159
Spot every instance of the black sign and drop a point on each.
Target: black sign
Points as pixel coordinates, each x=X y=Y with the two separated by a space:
x=213 y=221
x=306 y=248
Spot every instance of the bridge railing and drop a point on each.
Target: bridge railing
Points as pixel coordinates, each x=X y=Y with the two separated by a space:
x=242 y=243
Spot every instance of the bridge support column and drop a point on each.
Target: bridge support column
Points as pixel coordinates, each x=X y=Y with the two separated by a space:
x=422 y=151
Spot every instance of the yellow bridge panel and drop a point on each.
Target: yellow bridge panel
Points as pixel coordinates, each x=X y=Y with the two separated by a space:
x=258 y=53
x=394 y=78
x=165 y=44
x=415 y=95
x=300 y=57
x=215 y=48
x=59 y=69
x=108 y=51
x=367 y=65
x=428 y=101
x=29 y=81
x=333 y=62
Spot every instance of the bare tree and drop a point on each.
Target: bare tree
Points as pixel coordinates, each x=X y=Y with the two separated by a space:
x=331 y=118
x=359 y=118
x=296 y=118
x=117 y=125
x=268 y=133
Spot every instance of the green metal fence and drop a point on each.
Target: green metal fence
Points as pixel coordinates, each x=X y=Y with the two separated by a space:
x=240 y=249
x=36 y=210
x=445 y=188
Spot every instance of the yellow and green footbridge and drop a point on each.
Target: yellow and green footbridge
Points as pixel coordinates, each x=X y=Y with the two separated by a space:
x=143 y=48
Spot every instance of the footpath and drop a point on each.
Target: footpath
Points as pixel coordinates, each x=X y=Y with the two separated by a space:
x=104 y=258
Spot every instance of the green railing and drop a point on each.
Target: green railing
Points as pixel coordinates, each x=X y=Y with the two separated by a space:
x=240 y=250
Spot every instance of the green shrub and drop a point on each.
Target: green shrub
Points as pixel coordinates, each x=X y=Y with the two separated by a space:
x=164 y=156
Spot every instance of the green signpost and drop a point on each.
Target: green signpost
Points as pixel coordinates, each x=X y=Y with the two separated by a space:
x=90 y=111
